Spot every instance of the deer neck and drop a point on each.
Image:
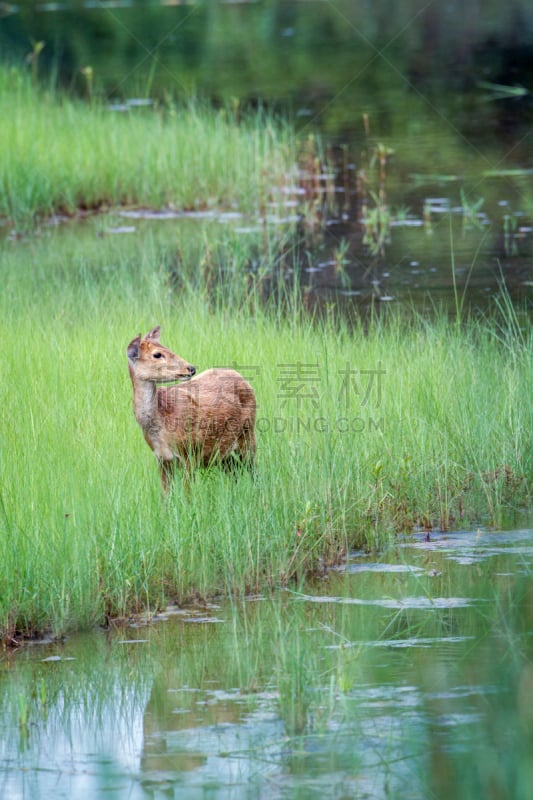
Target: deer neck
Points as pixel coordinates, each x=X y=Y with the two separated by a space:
x=144 y=402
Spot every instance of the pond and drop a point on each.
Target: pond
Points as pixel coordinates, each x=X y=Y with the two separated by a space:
x=425 y=114
x=408 y=676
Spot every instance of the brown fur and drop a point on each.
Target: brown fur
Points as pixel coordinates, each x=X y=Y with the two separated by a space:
x=200 y=421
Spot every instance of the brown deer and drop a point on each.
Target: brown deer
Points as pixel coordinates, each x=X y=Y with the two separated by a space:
x=198 y=420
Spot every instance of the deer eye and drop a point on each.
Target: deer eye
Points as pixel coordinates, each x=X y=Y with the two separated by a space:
x=157 y=355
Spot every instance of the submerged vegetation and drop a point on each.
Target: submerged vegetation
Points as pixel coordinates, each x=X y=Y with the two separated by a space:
x=363 y=431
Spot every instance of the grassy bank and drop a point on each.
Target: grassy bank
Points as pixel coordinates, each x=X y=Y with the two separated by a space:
x=59 y=155
x=361 y=434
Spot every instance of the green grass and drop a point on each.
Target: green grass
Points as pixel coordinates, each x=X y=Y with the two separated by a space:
x=84 y=534
x=60 y=155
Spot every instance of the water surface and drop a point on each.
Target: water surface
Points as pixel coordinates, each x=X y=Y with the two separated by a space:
x=407 y=676
x=425 y=112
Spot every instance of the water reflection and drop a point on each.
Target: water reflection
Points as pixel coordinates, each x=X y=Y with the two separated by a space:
x=330 y=267
x=401 y=694
x=424 y=180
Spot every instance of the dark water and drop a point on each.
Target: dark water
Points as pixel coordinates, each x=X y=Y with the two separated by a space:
x=425 y=110
x=407 y=676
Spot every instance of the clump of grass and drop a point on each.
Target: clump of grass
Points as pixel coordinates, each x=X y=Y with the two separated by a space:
x=361 y=433
x=60 y=155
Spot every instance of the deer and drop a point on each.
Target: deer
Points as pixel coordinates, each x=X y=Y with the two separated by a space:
x=189 y=420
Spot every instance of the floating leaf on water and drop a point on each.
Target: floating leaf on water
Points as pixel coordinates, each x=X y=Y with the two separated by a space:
x=422 y=602
x=229 y=215
x=121 y=229
x=407 y=223
x=425 y=641
x=133 y=641
x=377 y=567
x=139 y=102
x=150 y=213
x=52 y=659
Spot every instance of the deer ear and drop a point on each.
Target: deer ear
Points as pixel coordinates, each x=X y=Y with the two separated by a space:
x=133 y=348
x=153 y=336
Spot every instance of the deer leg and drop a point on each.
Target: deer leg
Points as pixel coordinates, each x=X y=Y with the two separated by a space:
x=246 y=446
x=167 y=472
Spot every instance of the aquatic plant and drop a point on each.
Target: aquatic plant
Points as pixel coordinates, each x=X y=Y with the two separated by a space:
x=371 y=190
